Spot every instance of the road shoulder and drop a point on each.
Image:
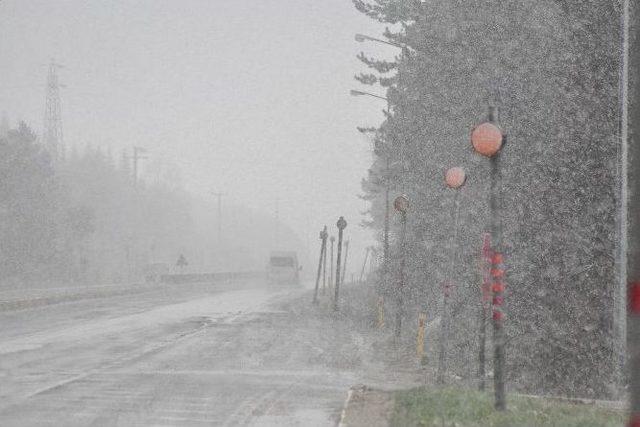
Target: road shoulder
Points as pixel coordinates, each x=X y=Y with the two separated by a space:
x=367 y=407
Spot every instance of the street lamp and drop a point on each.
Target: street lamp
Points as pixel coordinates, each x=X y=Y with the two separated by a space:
x=487 y=139
x=454 y=178
x=354 y=92
x=385 y=247
x=361 y=38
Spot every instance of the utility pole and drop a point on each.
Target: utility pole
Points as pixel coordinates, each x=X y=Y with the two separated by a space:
x=136 y=158
x=219 y=196
x=52 y=132
x=632 y=37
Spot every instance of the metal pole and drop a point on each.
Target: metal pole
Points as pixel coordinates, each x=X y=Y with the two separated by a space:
x=332 y=281
x=400 y=297
x=373 y=261
x=341 y=226
x=364 y=264
x=632 y=21
x=483 y=345
x=324 y=266
x=346 y=255
x=444 y=316
x=484 y=298
x=323 y=239
x=385 y=247
x=498 y=285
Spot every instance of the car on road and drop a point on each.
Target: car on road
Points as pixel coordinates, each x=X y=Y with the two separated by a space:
x=283 y=268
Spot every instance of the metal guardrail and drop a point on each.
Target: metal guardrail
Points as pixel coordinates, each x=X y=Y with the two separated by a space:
x=46 y=297
x=175 y=279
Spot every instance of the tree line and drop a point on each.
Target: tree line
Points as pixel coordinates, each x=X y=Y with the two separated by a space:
x=81 y=219
x=551 y=70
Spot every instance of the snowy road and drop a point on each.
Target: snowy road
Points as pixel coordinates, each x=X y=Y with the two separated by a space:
x=202 y=356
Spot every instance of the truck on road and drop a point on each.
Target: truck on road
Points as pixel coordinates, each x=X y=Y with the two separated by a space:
x=283 y=268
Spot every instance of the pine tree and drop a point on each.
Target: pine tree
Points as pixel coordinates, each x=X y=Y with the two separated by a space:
x=551 y=69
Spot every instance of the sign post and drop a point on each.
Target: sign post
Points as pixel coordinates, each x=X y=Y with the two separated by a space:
x=401 y=205
x=341 y=224
x=487 y=139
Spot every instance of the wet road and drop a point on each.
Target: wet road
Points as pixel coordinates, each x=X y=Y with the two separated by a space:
x=207 y=355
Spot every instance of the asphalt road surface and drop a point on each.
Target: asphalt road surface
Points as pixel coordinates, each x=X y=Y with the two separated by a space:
x=224 y=355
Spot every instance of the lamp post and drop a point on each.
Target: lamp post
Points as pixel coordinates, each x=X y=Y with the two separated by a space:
x=454 y=179
x=487 y=139
x=401 y=205
x=385 y=244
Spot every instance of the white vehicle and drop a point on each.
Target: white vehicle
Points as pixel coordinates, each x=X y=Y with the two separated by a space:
x=283 y=268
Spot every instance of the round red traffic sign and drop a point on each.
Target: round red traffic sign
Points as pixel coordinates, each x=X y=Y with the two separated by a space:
x=455 y=177
x=401 y=203
x=487 y=139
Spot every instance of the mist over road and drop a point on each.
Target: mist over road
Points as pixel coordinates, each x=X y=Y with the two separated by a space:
x=197 y=355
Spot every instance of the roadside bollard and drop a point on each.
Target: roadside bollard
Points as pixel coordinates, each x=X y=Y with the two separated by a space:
x=422 y=318
x=380 y=324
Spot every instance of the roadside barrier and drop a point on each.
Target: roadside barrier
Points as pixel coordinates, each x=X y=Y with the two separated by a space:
x=175 y=279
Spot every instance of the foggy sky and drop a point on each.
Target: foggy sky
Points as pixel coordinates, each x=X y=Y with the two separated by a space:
x=249 y=98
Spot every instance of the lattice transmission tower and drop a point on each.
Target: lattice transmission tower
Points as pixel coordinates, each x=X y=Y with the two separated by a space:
x=52 y=135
